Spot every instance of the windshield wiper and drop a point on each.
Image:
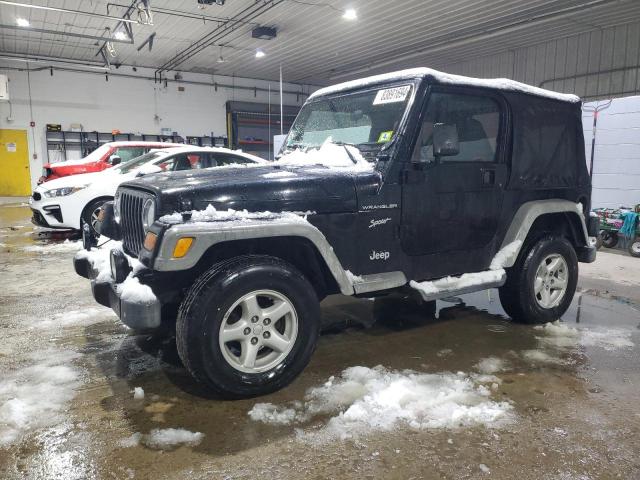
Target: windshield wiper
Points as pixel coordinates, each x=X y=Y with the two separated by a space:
x=346 y=146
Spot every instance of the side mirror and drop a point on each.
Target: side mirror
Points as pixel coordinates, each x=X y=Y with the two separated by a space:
x=115 y=160
x=148 y=170
x=445 y=140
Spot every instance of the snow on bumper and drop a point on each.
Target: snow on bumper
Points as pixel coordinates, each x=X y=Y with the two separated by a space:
x=134 y=302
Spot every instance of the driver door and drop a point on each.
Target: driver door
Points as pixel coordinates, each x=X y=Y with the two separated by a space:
x=451 y=204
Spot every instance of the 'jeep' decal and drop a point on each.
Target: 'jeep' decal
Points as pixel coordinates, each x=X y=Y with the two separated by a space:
x=379 y=255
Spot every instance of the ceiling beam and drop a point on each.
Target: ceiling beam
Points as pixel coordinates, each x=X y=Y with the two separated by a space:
x=65 y=34
x=66 y=10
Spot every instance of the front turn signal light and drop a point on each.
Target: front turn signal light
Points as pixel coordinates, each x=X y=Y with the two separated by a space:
x=150 y=241
x=182 y=247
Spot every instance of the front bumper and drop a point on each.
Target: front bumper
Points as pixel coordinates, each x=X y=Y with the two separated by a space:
x=138 y=315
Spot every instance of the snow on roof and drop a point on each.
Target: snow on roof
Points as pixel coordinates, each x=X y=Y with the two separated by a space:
x=135 y=143
x=446 y=78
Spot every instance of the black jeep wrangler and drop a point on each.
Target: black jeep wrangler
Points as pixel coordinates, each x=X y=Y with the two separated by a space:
x=414 y=181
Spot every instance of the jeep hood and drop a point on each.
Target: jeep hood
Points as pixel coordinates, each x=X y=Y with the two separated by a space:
x=256 y=188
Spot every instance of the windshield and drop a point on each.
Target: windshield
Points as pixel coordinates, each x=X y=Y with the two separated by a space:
x=367 y=120
x=138 y=162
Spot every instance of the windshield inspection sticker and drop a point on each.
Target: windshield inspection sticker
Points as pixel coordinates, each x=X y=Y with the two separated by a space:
x=385 y=136
x=392 y=95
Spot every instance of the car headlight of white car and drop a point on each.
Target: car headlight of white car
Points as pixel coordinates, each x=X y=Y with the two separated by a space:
x=148 y=213
x=63 y=192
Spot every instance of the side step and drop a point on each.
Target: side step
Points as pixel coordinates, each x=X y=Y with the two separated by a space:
x=453 y=286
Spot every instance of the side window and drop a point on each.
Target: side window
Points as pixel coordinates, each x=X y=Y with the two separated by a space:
x=476 y=119
x=220 y=159
x=128 y=153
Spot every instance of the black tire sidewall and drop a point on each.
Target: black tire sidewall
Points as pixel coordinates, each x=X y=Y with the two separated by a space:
x=531 y=310
x=89 y=209
x=223 y=291
x=609 y=239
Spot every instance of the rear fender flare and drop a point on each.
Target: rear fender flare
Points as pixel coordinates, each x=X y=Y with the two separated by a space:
x=529 y=212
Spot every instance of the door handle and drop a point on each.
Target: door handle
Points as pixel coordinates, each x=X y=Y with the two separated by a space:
x=488 y=176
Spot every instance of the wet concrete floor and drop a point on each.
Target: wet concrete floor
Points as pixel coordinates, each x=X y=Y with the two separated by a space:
x=68 y=370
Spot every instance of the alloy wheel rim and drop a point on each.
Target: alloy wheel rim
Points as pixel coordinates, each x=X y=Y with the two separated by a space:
x=94 y=218
x=551 y=281
x=636 y=247
x=258 y=331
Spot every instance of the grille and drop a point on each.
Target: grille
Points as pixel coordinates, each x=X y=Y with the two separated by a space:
x=131 y=203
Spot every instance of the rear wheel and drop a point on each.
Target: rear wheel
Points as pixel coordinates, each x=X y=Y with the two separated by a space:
x=248 y=326
x=634 y=248
x=541 y=285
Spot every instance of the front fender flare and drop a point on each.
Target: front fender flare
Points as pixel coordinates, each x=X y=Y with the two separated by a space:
x=208 y=234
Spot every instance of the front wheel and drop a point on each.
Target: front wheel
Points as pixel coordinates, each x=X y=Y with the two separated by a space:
x=91 y=212
x=541 y=285
x=248 y=326
x=634 y=248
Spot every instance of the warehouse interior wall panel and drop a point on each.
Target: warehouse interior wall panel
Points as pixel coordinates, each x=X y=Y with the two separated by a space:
x=616 y=169
x=127 y=104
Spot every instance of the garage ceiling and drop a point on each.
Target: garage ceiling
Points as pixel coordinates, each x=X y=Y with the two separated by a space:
x=314 y=43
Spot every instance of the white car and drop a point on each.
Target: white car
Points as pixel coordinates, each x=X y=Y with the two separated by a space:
x=66 y=202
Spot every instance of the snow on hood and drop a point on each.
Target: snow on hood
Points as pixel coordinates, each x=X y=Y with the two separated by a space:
x=210 y=214
x=329 y=155
x=446 y=78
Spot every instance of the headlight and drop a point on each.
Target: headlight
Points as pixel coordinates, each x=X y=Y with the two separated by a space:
x=148 y=213
x=63 y=192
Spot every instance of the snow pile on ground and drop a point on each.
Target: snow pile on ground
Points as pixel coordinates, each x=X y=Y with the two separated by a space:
x=490 y=365
x=505 y=254
x=561 y=335
x=85 y=317
x=66 y=246
x=539 y=356
x=163 y=439
x=456 y=283
x=364 y=399
x=210 y=214
x=138 y=393
x=328 y=155
x=36 y=396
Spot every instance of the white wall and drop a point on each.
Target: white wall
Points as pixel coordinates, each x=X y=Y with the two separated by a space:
x=616 y=166
x=127 y=104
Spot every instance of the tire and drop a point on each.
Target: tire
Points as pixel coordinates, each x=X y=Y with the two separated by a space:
x=525 y=296
x=609 y=239
x=90 y=213
x=634 y=248
x=224 y=295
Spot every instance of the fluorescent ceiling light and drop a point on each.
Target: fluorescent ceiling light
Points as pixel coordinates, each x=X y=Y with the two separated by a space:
x=119 y=35
x=22 y=22
x=350 y=14
x=260 y=53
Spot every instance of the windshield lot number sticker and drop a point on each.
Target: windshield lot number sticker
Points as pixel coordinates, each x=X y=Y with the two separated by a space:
x=392 y=95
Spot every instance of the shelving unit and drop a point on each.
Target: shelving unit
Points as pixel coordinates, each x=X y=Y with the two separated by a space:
x=251 y=126
x=207 y=141
x=66 y=142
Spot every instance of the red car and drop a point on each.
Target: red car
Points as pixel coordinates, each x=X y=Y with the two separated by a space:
x=103 y=157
